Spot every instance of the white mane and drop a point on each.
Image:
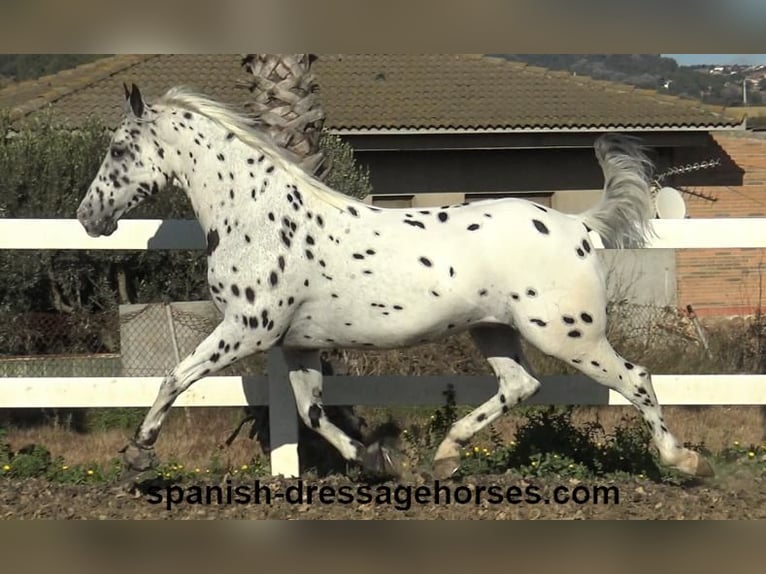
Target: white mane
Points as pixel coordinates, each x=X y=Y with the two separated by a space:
x=241 y=126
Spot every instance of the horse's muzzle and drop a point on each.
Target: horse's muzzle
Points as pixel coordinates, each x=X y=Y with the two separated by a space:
x=96 y=227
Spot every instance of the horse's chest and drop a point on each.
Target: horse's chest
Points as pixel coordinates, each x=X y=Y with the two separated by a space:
x=232 y=279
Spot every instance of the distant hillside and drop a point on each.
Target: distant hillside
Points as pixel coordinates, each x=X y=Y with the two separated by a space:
x=19 y=67
x=650 y=71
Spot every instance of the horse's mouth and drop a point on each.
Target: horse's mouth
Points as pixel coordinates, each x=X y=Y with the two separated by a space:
x=110 y=226
x=103 y=228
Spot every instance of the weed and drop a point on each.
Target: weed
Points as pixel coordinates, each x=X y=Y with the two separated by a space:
x=123 y=418
x=550 y=444
x=423 y=440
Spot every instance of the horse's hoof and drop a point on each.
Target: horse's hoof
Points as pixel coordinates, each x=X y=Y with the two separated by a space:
x=381 y=459
x=129 y=483
x=446 y=467
x=703 y=470
x=139 y=458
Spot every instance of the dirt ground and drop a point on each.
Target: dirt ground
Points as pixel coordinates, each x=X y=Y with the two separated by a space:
x=738 y=492
x=734 y=497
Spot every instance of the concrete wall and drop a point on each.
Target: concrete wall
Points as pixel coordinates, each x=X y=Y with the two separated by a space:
x=575 y=201
x=643 y=277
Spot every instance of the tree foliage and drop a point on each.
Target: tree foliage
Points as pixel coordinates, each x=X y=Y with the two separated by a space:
x=345 y=174
x=45 y=172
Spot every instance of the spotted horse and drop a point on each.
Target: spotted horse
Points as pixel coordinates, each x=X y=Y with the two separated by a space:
x=293 y=263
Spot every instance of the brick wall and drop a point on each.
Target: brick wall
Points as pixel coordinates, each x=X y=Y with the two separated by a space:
x=726 y=281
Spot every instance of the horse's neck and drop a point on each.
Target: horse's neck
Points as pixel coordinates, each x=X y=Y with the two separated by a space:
x=209 y=184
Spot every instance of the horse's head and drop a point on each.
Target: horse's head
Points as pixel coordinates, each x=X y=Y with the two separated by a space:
x=134 y=168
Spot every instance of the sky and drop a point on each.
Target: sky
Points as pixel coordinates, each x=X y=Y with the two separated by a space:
x=694 y=59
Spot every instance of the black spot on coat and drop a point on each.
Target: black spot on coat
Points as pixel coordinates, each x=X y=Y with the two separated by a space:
x=213 y=239
x=540 y=226
x=315 y=413
x=415 y=223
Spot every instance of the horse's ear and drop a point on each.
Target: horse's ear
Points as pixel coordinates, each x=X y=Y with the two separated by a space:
x=136 y=101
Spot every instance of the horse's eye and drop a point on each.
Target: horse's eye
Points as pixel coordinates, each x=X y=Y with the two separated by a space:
x=117 y=152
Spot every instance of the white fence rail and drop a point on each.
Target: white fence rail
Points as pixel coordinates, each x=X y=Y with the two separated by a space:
x=274 y=389
x=141 y=234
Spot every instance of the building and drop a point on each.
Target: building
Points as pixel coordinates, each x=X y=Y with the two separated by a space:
x=436 y=129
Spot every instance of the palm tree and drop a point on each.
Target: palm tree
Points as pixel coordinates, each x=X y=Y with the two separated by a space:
x=286 y=105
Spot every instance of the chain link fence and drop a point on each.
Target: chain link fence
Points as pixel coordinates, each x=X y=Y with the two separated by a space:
x=649 y=325
x=150 y=339
x=135 y=341
x=154 y=338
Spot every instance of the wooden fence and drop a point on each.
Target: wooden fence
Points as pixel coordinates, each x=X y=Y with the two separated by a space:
x=274 y=389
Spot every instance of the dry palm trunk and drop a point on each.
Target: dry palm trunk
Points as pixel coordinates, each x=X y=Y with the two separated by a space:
x=286 y=104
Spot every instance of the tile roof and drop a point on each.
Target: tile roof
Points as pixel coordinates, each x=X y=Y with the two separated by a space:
x=382 y=92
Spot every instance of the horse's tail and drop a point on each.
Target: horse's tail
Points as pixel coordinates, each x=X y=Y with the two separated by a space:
x=622 y=215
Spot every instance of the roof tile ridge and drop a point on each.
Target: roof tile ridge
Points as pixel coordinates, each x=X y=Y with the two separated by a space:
x=93 y=72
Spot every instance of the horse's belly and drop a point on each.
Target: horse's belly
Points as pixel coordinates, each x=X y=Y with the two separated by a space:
x=382 y=327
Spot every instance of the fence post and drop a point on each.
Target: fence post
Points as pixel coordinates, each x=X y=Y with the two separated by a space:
x=283 y=417
x=176 y=352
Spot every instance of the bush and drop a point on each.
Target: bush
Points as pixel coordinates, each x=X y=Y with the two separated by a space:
x=345 y=174
x=550 y=444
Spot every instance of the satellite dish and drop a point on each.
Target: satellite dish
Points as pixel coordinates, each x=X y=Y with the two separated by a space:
x=669 y=204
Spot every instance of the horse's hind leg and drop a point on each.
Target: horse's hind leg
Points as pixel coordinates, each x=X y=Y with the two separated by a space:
x=501 y=345
x=583 y=344
x=305 y=373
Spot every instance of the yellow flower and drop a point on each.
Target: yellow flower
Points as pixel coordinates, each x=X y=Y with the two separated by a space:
x=736 y=443
x=65 y=467
x=534 y=463
x=90 y=472
x=196 y=470
x=245 y=467
x=468 y=453
x=476 y=449
x=751 y=454
x=6 y=467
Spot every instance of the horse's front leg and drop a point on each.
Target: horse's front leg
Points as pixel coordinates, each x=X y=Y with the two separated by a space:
x=226 y=344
